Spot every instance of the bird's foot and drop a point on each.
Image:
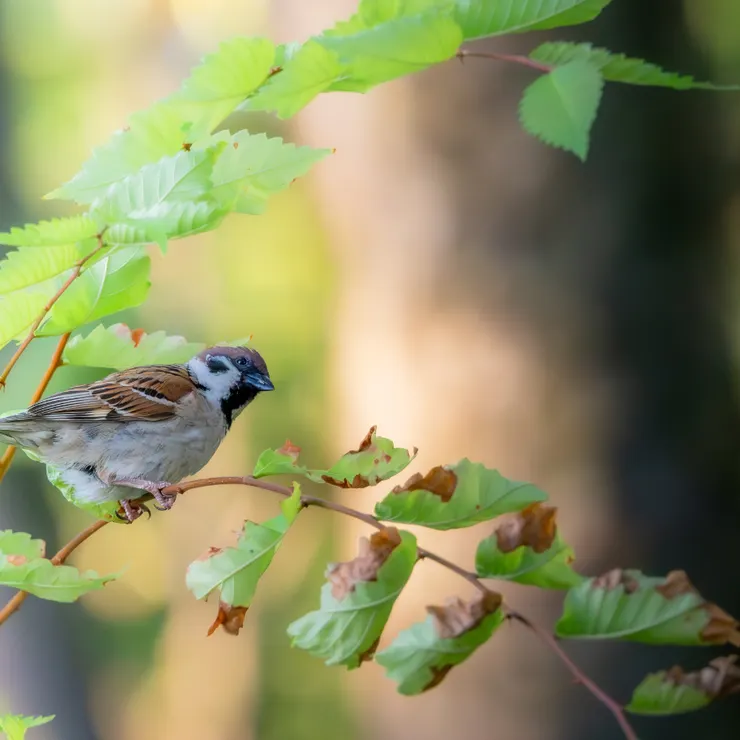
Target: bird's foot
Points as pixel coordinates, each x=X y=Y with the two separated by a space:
x=132 y=510
x=164 y=500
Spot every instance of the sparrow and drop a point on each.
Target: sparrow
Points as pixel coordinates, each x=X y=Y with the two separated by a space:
x=145 y=428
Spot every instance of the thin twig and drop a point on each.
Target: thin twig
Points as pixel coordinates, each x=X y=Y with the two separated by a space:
x=15 y=603
x=37 y=321
x=463 y=54
x=54 y=363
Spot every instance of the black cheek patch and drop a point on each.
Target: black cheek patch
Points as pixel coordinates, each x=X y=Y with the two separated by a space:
x=216 y=365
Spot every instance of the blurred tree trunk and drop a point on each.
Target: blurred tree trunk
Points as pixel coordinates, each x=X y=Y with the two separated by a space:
x=561 y=322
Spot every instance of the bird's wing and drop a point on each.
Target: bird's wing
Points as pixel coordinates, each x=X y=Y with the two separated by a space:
x=148 y=393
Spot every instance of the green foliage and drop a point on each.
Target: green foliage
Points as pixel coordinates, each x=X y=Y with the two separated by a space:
x=357 y=601
x=627 y=605
x=23 y=566
x=422 y=655
x=561 y=106
x=456 y=496
x=14 y=726
x=22 y=268
x=618 y=67
x=117 y=347
x=59 y=232
x=235 y=571
x=376 y=459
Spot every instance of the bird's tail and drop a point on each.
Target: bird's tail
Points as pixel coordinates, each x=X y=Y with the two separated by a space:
x=14 y=432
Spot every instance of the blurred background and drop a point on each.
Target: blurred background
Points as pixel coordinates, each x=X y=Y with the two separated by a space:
x=445 y=276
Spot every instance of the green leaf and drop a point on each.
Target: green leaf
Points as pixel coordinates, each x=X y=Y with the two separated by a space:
x=676 y=692
x=376 y=459
x=456 y=496
x=14 y=726
x=115 y=282
x=422 y=655
x=25 y=267
x=395 y=47
x=18 y=310
x=357 y=601
x=308 y=72
x=22 y=566
x=103 y=510
x=618 y=67
x=627 y=605
x=58 y=232
x=560 y=107
x=479 y=18
x=118 y=348
x=222 y=81
x=254 y=167
x=235 y=571
x=528 y=549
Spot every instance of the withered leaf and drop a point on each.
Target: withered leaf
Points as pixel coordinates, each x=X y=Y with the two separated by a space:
x=457 y=617
x=290 y=450
x=373 y=553
x=532 y=527
x=617 y=577
x=720 y=678
x=230 y=618
x=439 y=480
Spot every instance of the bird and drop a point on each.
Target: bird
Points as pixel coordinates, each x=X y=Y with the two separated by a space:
x=140 y=429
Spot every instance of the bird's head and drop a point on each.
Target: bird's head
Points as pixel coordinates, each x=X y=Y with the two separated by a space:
x=230 y=377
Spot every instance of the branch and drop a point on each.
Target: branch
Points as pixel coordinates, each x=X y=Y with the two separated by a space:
x=56 y=361
x=463 y=54
x=37 y=321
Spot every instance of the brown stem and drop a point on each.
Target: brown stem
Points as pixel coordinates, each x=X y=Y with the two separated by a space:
x=463 y=54
x=15 y=603
x=54 y=363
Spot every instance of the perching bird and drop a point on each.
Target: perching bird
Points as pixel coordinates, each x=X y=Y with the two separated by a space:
x=144 y=428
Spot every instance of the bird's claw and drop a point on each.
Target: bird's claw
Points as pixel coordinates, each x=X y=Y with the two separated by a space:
x=164 y=500
x=132 y=510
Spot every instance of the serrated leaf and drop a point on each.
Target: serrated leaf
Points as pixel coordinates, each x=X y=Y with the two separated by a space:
x=117 y=281
x=58 y=232
x=618 y=67
x=235 y=571
x=308 y=72
x=118 y=347
x=560 y=107
x=454 y=496
x=25 y=267
x=14 y=726
x=22 y=566
x=375 y=460
x=627 y=605
x=18 y=310
x=479 y=18
x=356 y=603
x=422 y=655
x=677 y=692
x=255 y=167
x=528 y=549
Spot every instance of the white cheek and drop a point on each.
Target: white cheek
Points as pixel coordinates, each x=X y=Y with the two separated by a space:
x=218 y=384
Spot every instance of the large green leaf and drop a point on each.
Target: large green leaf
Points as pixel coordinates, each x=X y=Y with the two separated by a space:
x=528 y=549
x=375 y=460
x=311 y=70
x=23 y=566
x=58 y=232
x=479 y=18
x=618 y=67
x=456 y=496
x=255 y=167
x=118 y=347
x=357 y=601
x=625 y=604
x=422 y=655
x=560 y=107
x=18 y=310
x=25 y=267
x=676 y=692
x=14 y=726
x=235 y=571
x=118 y=281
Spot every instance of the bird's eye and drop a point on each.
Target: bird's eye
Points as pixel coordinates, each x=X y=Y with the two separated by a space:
x=241 y=361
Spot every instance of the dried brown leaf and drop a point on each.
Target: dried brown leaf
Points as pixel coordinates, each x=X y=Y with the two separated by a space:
x=720 y=678
x=370 y=652
x=230 y=618
x=439 y=481
x=458 y=617
x=373 y=553
x=366 y=442
x=532 y=527
x=290 y=450
x=617 y=577
x=677 y=583
x=722 y=627
x=357 y=482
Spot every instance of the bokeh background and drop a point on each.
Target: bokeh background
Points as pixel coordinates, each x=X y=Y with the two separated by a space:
x=445 y=276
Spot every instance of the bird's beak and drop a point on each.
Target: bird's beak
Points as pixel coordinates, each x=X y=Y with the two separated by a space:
x=259 y=381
